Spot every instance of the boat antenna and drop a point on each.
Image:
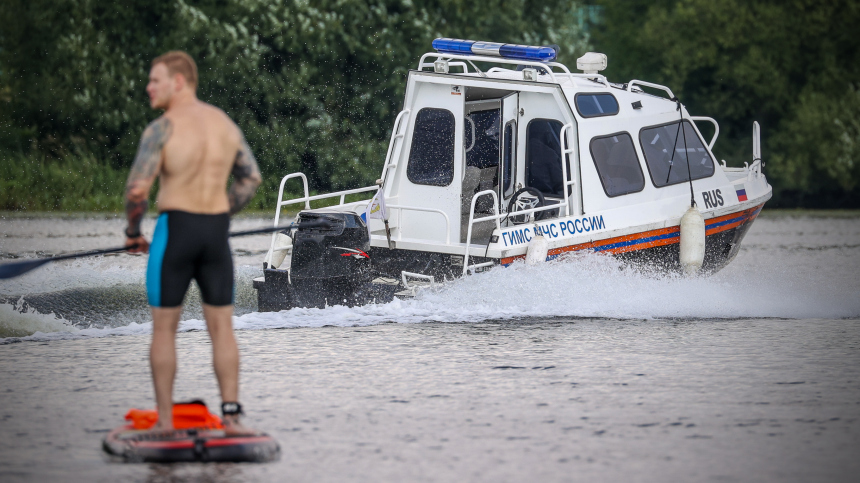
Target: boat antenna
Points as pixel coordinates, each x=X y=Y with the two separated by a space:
x=686 y=151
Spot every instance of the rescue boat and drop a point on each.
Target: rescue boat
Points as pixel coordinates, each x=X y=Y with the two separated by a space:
x=522 y=158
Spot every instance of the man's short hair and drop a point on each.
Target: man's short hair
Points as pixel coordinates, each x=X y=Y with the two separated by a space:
x=178 y=62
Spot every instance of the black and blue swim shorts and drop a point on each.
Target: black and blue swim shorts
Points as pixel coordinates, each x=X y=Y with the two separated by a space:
x=185 y=246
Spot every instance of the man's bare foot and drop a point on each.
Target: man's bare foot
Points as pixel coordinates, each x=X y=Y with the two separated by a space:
x=160 y=427
x=156 y=432
x=232 y=427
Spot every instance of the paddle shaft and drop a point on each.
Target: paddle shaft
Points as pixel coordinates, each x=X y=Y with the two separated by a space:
x=90 y=253
x=318 y=224
x=9 y=270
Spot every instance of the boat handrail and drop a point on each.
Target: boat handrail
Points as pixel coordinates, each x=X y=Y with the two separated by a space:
x=599 y=78
x=268 y=258
x=281 y=192
x=649 y=84
x=404 y=275
x=422 y=64
x=494 y=217
x=716 y=128
x=515 y=213
x=481 y=58
x=402 y=208
x=472 y=220
x=395 y=135
x=755 y=168
x=756 y=141
x=752 y=171
x=564 y=152
x=307 y=200
x=594 y=77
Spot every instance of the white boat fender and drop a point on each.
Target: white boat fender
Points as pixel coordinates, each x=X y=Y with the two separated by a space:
x=692 y=241
x=537 y=250
x=283 y=247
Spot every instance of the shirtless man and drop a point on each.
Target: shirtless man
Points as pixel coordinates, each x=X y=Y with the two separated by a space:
x=193 y=148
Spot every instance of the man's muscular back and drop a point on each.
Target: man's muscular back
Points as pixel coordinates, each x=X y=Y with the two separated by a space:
x=193 y=148
x=197 y=159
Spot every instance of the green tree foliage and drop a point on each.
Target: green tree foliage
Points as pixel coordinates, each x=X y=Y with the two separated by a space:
x=315 y=85
x=793 y=66
x=70 y=183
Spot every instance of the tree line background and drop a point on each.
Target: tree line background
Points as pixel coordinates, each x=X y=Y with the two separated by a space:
x=316 y=85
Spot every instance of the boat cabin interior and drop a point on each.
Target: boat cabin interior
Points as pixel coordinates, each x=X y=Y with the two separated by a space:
x=494 y=161
x=469 y=139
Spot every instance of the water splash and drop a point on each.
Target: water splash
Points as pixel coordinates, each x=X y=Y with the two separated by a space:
x=18 y=321
x=583 y=285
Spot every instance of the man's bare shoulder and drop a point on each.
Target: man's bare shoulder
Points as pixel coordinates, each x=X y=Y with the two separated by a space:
x=160 y=126
x=216 y=112
x=220 y=120
x=153 y=139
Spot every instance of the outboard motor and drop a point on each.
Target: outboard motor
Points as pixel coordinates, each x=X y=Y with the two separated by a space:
x=330 y=261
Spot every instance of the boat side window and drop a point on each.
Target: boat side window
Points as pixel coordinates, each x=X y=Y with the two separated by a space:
x=508 y=161
x=596 y=105
x=543 y=157
x=658 y=142
x=617 y=164
x=431 y=158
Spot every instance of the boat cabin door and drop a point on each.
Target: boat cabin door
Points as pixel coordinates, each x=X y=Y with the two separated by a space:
x=482 y=143
x=425 y=195
x=508 y=149
x=489 y=144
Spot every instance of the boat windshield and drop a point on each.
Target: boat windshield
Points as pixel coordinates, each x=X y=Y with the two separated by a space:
x=658 y=142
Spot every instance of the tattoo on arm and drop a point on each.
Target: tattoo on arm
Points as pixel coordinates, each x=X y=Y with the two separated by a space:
x=246 y=178
x=144 y=170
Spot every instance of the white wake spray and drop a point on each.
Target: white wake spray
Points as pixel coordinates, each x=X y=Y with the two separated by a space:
x=17 y=321
x=581 y=285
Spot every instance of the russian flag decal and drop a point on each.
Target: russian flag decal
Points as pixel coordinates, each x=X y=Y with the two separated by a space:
x=742 y=192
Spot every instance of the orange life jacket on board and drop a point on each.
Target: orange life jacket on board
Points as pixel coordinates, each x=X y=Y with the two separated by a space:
x=185 y=416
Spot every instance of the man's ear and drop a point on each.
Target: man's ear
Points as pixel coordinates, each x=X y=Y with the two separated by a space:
x=179 y=82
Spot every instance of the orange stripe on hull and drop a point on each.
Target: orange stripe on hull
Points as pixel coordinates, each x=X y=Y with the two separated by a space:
x=653 y=238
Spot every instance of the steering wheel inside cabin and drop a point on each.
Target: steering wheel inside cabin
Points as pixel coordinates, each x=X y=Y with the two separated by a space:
x=521 y=203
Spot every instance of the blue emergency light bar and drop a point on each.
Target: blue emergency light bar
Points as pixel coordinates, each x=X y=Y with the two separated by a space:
x=494 y=49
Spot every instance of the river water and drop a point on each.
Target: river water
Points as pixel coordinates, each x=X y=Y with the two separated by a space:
x=579 y=370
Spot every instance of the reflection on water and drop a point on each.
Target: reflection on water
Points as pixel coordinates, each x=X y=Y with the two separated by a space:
x=538 y=400
x=203 y=473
